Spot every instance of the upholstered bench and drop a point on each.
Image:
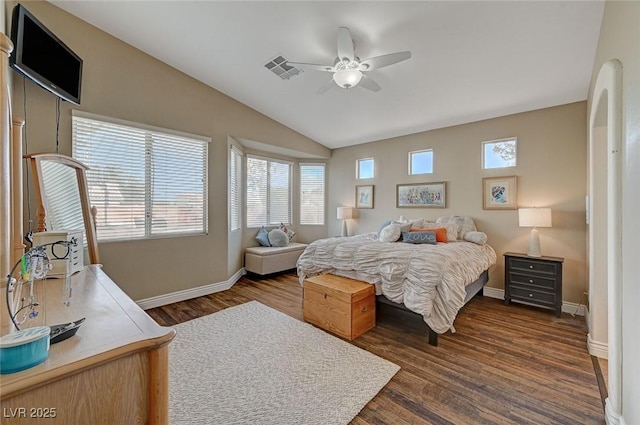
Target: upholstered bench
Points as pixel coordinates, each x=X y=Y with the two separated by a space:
x=264 y=260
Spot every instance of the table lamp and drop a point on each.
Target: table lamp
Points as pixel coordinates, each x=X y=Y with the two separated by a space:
x=534 y=217
x=344 y=214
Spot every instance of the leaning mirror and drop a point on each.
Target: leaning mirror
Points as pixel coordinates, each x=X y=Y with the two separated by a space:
x=63 y=199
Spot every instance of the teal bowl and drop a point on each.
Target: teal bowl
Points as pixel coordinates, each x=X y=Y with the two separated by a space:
x=24 y=349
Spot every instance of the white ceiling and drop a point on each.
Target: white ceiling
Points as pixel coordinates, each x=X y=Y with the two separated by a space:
x=471 y=60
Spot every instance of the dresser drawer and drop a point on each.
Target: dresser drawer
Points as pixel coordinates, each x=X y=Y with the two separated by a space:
x=535 y=267
x=532 y=280
x=537 y=297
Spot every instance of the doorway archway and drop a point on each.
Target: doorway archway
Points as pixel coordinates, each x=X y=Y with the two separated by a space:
x=605 y=230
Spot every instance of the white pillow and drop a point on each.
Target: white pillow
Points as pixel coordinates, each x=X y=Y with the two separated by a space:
x=278 y=238
x=479 y=238
x=464 y=222
x=290 y=233
x=391 y=233
x=404 y=226
x=414 y=223
x=452 y=229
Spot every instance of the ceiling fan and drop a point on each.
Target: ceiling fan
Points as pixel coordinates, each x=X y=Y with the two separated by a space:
x=348 y=69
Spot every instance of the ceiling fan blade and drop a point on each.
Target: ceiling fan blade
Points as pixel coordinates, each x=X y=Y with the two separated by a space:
x=345 y=44
x=326 y=86
x=369 y=83
x=311 y=66
x=384 y=60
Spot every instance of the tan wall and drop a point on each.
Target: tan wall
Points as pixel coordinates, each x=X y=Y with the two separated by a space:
x=619 y=37
x=122 y=82
x=3 y=24
x=551 y=170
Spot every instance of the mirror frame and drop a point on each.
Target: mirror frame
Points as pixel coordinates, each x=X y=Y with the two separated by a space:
x=87 y=211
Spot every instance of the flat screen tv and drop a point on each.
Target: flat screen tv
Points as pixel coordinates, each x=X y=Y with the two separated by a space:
x=43 y=57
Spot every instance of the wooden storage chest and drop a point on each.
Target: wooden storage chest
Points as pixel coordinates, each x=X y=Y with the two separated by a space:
x=343 y=306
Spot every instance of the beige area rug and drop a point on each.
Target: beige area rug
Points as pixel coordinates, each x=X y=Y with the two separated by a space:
x=251 y=364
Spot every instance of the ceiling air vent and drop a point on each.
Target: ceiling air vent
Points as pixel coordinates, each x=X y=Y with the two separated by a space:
x=278 y=66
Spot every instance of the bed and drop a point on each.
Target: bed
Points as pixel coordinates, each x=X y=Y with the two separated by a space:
x=432 y=280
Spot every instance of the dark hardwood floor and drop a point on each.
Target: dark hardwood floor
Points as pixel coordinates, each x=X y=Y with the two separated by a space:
x=504 y=365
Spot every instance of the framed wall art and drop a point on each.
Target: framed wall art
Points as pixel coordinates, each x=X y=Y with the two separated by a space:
x=421 y=195
x=364 y=196
x=500 y=193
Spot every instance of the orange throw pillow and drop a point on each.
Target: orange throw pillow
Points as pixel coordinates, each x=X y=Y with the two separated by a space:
x=441 y=232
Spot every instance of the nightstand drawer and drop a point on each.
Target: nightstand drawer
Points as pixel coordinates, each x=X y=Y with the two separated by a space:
x=533 y=266
x=535 y=296
x=532 y=280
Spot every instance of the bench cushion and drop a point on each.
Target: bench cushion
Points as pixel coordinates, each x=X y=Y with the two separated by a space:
x=273 y=250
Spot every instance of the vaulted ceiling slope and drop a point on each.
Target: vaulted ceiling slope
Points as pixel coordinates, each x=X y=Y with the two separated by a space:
x=470 y=60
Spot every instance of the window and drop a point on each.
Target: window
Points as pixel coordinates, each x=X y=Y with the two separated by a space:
x=421 y=162
x=312 y=194
x=499 y=153
x=268 y=192
x=235 y=188
x=144 y=181
x=364 y=168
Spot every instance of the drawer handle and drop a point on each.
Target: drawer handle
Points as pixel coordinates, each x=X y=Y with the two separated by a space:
x=530 y=267
x=530 y=295
x=325 y=296
x=365 y=308
x=530 y=280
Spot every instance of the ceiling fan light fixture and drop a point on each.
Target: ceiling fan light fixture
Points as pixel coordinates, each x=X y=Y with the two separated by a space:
x=347 y=67
x=347 y=78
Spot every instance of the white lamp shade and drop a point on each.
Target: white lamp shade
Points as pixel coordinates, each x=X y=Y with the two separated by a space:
x=345 y=213
x=534 y=217
x=347 y=78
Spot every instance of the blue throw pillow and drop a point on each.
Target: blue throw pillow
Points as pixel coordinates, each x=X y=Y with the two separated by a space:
x=263 y=237
x=419 y=237
x=385 y=224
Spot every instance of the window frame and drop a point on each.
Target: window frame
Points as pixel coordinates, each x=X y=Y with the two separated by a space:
x=149 y=133
x=411 y=153
x=324 y=192
x=238 y=181
x=246 y=191
x=373 y=168
x=493 y=142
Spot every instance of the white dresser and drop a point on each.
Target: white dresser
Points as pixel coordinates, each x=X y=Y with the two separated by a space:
x=74 y=261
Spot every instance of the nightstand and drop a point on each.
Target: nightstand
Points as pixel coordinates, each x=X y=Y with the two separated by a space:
x=533 y=280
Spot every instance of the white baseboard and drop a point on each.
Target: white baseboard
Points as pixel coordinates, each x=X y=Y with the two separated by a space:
x=187 y=294
x=493 y=293
x=611 y=417
x=597 y=348
x=573 y=308
x=567 y=307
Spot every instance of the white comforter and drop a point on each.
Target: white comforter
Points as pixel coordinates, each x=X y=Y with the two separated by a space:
x=428 y=279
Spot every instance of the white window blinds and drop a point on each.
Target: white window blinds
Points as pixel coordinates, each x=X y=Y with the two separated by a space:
x=235 y=188
x=312 y=187
x=268 y=192
x=144 y=181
